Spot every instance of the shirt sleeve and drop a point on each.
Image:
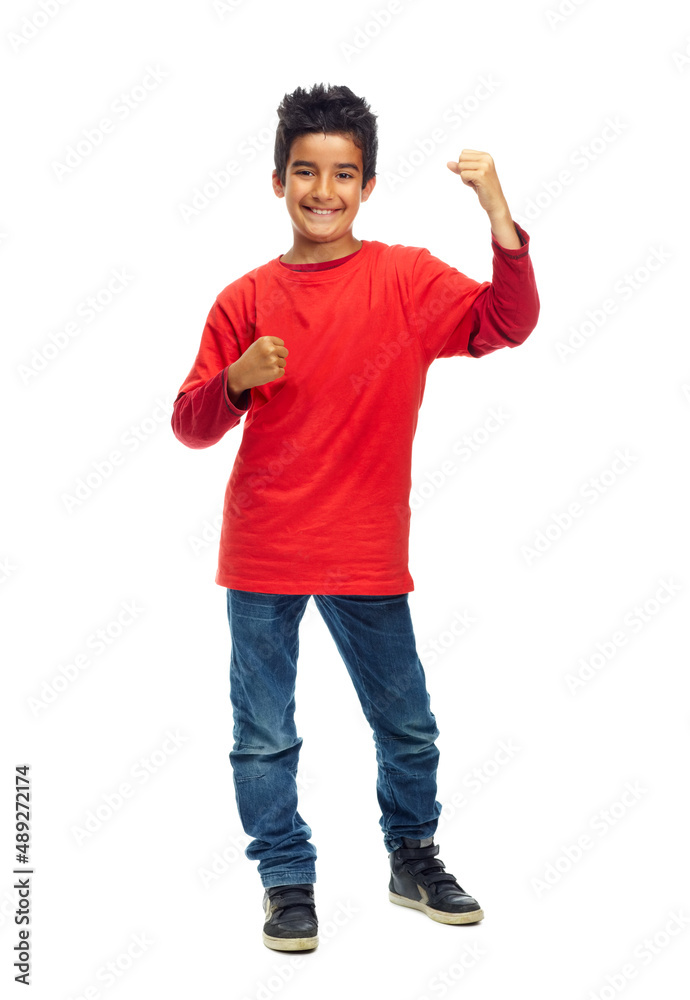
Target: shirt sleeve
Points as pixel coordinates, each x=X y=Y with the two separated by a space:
x=202 y=416
x=458 y=316
x=203 y=411
x=507 y=312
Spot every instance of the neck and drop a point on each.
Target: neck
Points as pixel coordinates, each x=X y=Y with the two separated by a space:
x=320 y=253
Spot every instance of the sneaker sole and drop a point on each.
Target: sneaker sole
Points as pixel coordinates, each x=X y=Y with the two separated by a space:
x=290 y=944
x=468 y=917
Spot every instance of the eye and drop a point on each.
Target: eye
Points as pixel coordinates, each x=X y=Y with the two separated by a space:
x=342 y=174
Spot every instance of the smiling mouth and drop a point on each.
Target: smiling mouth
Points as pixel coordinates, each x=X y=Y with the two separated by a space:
x=320 y=212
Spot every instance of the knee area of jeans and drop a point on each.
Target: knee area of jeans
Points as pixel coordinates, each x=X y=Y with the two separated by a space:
x=413 y=739
x=265 y=751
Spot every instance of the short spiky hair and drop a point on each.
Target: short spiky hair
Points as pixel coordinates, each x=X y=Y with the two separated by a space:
x=329 y=110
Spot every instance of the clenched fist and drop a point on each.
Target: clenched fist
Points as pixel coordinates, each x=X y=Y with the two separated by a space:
x=262 y=362
x=478 y=171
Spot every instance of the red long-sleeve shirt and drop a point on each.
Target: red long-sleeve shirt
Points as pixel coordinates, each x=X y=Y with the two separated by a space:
x=318 y=498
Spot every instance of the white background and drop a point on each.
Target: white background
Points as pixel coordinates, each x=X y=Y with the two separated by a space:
x=168 y=864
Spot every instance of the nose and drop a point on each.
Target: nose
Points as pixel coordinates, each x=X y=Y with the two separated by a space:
x=323 y=188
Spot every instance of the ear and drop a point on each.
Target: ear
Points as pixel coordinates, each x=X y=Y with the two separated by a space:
x=277 y=186
x=368 y=188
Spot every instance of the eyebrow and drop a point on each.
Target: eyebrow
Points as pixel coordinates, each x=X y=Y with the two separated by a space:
x=310 y=163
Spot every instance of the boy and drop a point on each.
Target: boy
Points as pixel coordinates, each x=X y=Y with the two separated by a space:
x=325 y=349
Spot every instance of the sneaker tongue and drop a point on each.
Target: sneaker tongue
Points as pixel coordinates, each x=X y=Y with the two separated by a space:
x=409 y=842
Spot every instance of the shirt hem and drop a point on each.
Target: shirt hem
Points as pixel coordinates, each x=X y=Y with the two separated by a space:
x=290 y=587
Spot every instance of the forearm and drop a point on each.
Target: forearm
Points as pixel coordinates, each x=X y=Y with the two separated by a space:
x=234 y=385
x=503 y=229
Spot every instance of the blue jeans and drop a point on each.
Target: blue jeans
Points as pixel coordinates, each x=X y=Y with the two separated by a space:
x=375 y=639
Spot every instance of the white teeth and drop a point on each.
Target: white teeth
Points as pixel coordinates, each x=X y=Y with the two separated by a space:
x=321 y=211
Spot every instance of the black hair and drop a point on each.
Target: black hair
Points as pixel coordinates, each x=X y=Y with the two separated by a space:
x=330 y=109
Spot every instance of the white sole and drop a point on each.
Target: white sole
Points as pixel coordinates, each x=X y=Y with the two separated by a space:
x=290 y=944
x=470 y=917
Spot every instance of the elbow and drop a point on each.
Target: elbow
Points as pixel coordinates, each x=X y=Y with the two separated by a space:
x=193 y=440
x=186 y=435
x=523 y=327
x=519 y=335
x=190 y=442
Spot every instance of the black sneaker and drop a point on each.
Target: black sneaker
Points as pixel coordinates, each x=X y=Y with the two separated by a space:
x=419 y=880
x=291 y=922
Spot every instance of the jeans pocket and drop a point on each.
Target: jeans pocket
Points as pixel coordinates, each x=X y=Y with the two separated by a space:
x=248 y=604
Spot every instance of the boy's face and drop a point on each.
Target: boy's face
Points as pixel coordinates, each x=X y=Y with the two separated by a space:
x=331 y=179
